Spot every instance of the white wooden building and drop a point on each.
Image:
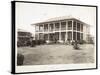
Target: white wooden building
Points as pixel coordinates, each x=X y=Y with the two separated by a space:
x=62 y=29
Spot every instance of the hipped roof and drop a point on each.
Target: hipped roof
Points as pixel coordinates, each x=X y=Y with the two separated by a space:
x=55 y=19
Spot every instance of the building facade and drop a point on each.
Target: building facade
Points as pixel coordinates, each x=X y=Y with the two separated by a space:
x=23 y=37
x=61 y=30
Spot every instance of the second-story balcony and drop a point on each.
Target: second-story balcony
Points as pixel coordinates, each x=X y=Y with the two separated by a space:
x=56 y=29
x=41 y=28
x=57 y=26
x=51 y=27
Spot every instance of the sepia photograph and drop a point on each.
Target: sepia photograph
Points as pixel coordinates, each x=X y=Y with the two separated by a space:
x=53 y=37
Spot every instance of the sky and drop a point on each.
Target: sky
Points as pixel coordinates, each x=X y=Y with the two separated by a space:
x=30 y=13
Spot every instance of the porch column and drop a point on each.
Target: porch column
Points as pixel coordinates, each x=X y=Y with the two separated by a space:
x=60 y=36
x=39 y=28
x=38 y=36
x=59 y=31
x=43 y=31
x=66 y=31
x=35 y=33
x=48 y=37
x=80 y=35
x=43 y=28
x=48 y=33
x=38 y=31
x=76 y=30
x=72 y=30
x=53 y=26
x=80 y=31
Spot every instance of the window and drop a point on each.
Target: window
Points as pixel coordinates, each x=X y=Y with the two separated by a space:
x=51 y=37
x=63 y=25
x=63 y=34
x=78 y=26
x=74 y=25
x=69 y=36
x=56 y=26
x=36 y=36
x=78 y=36
x=74 y=35
x=69 y=25
x=36 y=28
x=81 y=36
x=45 y=27
x=57 y=35
x=82 y=27
x=51 y=27
x=41 y=27
x=45 y=36
x=41 y=37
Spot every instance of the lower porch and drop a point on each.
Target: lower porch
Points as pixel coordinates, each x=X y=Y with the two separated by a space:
x=61 y=37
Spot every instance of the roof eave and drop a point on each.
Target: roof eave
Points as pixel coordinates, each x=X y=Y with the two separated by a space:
x=60 y=20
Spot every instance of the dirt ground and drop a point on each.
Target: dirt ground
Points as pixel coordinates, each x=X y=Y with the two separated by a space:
x=57 y=54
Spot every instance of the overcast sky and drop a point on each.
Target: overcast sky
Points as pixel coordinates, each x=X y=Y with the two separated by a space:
x=30 y=13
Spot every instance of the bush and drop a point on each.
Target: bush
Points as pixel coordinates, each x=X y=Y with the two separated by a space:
x=82 y=42
x=42 y=42
x=72 y=42
x=33 y=43
x=75 y=45
x=19 y=44
x=39 y=42
x=20 y=59
x=90 y=41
